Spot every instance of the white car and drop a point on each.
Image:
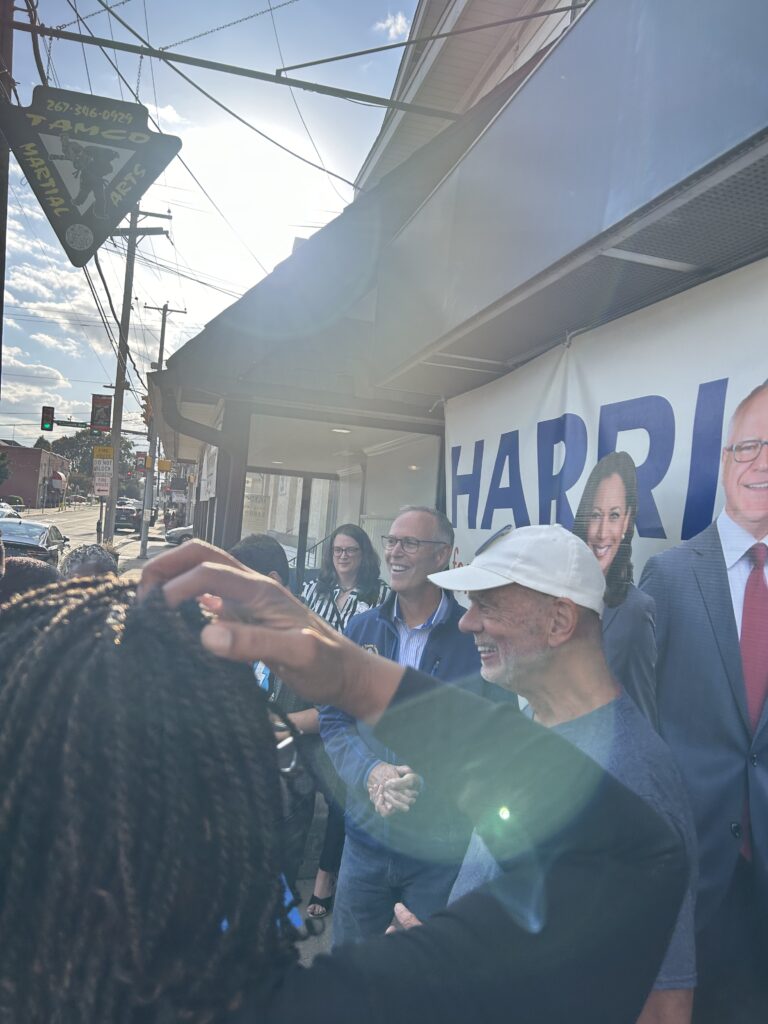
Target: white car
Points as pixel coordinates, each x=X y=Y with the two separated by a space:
x=8 y=511
x=178 y=534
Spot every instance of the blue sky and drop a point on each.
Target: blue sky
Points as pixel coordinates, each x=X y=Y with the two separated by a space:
x=55 y=350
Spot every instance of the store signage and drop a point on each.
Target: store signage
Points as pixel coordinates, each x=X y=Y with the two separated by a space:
x=101 y=485
x=88 y=159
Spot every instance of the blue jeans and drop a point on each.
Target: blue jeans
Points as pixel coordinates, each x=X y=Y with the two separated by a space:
x=372 y=879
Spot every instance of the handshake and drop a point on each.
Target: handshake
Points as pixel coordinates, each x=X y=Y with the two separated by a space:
x=392 y=788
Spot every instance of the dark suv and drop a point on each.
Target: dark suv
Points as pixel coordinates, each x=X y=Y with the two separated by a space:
x=130 y=516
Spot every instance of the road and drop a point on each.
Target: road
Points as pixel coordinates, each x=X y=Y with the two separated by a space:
x=79 y=524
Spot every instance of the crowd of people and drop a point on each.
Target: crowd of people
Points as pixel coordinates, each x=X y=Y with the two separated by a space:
x=545 y=785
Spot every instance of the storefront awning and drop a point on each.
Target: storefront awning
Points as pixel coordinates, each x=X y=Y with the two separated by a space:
x=632 y=164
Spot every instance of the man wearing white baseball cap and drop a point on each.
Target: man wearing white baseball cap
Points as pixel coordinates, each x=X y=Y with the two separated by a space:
x=535 y=601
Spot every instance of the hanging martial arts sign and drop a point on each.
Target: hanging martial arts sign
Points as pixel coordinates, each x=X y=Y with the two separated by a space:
x=88 y=159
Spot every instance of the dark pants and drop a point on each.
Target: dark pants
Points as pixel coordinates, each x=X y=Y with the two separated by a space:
x=732 y=957
x=333 y=839
x=373 y=879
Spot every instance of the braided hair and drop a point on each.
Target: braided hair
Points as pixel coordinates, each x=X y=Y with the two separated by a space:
x=139 y=811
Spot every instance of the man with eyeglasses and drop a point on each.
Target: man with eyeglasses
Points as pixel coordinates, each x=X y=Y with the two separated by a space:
x=384 y=861
x=711 y=596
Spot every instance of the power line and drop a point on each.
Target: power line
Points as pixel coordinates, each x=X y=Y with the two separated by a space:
x=225 y=108
x=115 y=316
x=181 y=160
x=296 y=102
x=428 y=39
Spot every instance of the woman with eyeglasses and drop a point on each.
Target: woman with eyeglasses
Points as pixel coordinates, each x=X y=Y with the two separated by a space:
x=348 y=583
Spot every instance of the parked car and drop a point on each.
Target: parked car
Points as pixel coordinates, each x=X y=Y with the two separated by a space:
x=32 y=539
x=178 y=534
x=8 y=511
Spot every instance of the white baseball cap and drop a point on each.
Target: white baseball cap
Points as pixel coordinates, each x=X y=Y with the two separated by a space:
x=548 y=559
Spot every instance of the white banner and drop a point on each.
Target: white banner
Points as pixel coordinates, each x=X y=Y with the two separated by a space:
x=660 y=384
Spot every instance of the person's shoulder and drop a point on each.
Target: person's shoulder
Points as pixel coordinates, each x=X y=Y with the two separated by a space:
x=365 y=621
x=637 y=602
x=706 y=541
x=644 y=762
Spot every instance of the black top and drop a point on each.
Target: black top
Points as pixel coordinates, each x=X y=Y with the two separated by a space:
x=613 y=876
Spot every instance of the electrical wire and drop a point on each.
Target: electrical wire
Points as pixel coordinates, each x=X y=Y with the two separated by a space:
x=226 y=109
x=296 y=102
x=85 y=59
x=116 y=318
x=183 y=162
x=32 y=12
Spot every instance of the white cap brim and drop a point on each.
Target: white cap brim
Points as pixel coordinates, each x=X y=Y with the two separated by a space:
x=470 y=578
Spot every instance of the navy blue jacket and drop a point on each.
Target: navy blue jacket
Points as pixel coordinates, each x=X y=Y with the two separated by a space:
x=629 y=643
x=703 y=711
x=449 y=655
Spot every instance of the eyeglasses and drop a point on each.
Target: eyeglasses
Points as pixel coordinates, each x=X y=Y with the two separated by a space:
x=340 y=552
x=746 y=451
x=409 y=544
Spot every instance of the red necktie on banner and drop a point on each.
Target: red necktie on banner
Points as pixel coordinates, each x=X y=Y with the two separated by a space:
x=754 y=635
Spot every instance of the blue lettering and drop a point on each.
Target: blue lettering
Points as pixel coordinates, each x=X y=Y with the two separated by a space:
x=705 y=457
x=466 y=483
x=512 y=496
x=572 y=431
x=653 y=414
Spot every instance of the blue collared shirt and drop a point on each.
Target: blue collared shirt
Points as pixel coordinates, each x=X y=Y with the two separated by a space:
x=736 y=542
x=413 y=641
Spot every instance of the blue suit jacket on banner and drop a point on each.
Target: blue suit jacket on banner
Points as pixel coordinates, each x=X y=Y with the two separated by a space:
x=703 y=714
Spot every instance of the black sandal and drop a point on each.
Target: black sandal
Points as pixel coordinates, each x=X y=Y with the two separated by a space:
x=323 y=902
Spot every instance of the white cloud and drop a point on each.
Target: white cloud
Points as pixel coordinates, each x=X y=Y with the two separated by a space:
x=396 y=26
x=66 y=346
x=166 y=116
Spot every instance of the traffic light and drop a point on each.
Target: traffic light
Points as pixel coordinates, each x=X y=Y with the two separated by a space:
x=146 y=410
x=46 y=420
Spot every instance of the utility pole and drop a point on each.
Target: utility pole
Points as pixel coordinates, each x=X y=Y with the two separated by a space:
x=6 y=88
x=132 y=233
x=153 y=446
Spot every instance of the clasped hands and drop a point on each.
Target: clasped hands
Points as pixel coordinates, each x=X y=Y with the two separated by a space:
x=392 y=788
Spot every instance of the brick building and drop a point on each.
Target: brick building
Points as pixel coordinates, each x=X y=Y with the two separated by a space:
x=38 y=477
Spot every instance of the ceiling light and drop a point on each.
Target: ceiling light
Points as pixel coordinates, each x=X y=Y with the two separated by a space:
x=414 y=467
x=340 y=430
x=277 y=462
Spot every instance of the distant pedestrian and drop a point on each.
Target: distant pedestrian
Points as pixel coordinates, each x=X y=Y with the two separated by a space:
x=348 y=584
x=88 y=560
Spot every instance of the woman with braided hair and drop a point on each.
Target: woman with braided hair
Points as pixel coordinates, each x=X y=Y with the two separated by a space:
x=139 y=846
x=139 y=853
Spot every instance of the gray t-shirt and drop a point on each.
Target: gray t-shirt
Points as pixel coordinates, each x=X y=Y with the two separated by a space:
x=621 y=741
